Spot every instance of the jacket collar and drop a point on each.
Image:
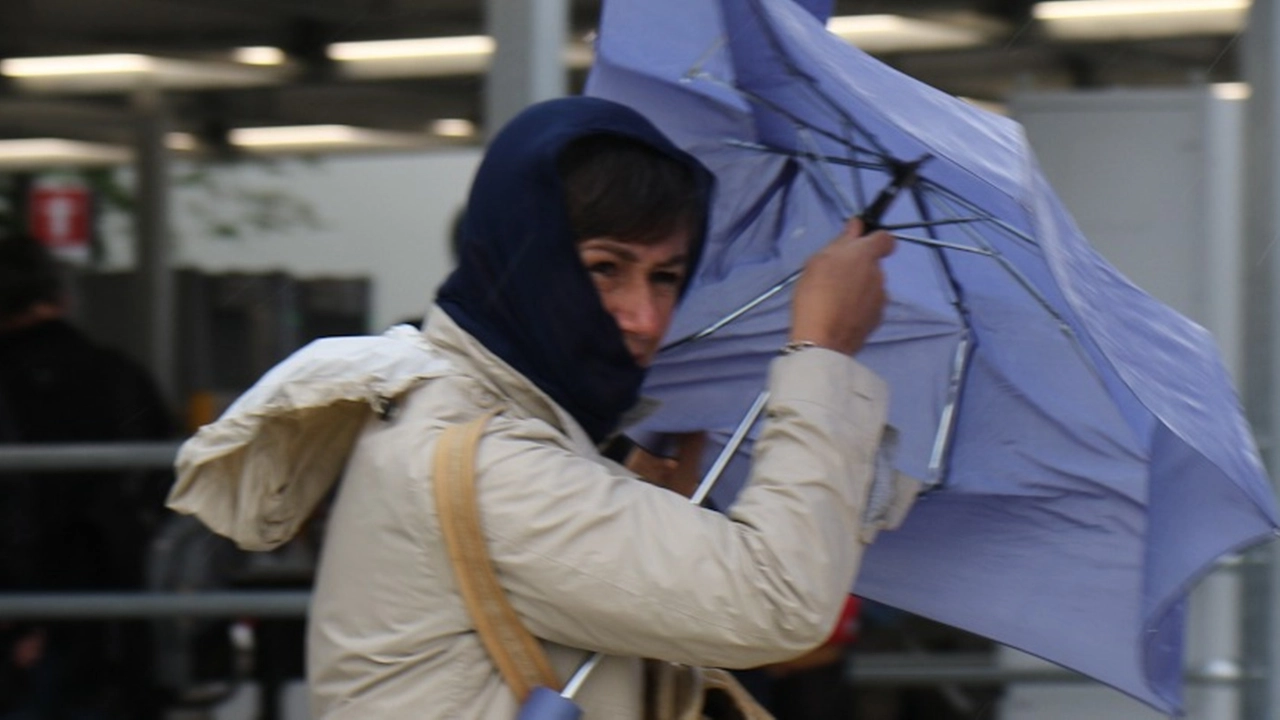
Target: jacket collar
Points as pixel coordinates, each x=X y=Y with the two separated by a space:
x=521 y=395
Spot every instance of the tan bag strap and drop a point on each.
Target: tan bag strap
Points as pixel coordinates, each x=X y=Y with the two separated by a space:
x=518 y=655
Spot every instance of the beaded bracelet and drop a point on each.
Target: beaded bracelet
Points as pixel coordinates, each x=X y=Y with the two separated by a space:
x=796 y=346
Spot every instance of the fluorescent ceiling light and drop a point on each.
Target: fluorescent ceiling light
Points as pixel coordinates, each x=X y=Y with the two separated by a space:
x=260 y=55
x=75 y=65
x=40 y=153
x=1136 y=19
x=894 y=33
x=453 y=128
x=182 y=142
x=459 y=55
x=429 y=57
x=123 y=72
x=461 y=45
x=300 y=138
x=1231 y=90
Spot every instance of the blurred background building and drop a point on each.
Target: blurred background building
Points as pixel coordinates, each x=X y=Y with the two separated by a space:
x=229 y=179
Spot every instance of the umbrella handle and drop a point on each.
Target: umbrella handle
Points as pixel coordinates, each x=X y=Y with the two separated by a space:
x=904 y=176
x=544 y=703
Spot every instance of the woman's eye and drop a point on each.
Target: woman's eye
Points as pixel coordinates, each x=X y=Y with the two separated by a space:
x=671 y=279
x=603 y=269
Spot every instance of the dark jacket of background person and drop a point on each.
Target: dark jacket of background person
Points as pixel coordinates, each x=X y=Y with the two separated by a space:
x=70 y=531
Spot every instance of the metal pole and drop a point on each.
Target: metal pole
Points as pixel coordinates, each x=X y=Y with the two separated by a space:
x=529 y=63
x=730 y=448
x=704 y=489
x=1261 y=69
x=155 y=295
x=903 y=669
x=118 y=605
x=86 y=456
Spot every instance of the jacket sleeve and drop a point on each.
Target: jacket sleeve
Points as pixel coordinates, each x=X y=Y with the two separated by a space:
x=593 y=558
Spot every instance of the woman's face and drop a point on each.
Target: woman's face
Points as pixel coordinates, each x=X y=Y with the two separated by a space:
x=639 y=284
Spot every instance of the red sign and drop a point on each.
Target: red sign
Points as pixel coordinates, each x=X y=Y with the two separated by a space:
x=61 y=218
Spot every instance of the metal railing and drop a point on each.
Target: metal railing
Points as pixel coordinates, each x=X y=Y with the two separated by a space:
x=144 y=605
x=48 y=458
x=927 y=669
x=867 y=669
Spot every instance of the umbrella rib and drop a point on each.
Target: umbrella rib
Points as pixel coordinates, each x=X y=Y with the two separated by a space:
x=704 y=489
x=730 y=448
x=941 y=244
x=849 y=209
x=935 y=223
x=752 y=97
x=748 y=307
x=833 y=188
x=960 y=362
x=759 y=147
x=988 y=217
x=859 y=187
x=775 y=187
x=848 y=206
x=1031 y=289
x=696 y=70
x=947 y=423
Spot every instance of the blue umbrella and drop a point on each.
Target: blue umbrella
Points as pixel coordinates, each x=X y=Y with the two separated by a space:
x=1084 y=456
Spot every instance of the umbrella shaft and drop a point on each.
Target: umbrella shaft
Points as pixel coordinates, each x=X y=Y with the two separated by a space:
x=731 y=447
x=704 y=488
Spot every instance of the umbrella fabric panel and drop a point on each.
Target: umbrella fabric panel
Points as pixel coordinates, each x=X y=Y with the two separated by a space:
x=1016 y=436
x=654 y=82
x=692 y=44
x=968 y=561
x=759 y=190
x=1169 y=362
x=965 y=560
x=791 y=54
x=1197 y=515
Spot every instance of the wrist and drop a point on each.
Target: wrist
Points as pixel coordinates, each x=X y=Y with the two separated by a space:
x=798 y=341
x=795 y=346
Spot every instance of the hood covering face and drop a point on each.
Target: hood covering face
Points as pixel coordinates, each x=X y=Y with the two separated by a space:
x=520 y=288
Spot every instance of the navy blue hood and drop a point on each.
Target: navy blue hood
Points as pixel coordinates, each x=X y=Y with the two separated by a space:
x=520 y=288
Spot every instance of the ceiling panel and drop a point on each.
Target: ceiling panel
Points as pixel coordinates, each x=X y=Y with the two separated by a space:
x=1022 y=58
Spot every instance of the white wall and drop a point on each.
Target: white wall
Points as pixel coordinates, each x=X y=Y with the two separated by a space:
x=383 y=216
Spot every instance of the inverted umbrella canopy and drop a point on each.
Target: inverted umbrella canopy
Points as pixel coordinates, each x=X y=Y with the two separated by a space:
x=1085 y=455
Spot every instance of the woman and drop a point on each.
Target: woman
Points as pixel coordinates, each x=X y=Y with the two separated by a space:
x=583 y=226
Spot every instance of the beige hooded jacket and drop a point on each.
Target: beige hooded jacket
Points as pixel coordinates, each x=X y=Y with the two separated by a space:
x=592 y=559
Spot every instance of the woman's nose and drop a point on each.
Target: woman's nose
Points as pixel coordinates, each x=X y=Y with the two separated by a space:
x=637 y=312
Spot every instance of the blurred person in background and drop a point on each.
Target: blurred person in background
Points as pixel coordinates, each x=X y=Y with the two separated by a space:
x=71 y=531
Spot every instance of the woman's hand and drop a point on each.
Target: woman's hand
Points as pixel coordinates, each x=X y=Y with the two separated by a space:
x=840 y=297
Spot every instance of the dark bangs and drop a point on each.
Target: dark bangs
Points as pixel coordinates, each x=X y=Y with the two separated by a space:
x=620 y=188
